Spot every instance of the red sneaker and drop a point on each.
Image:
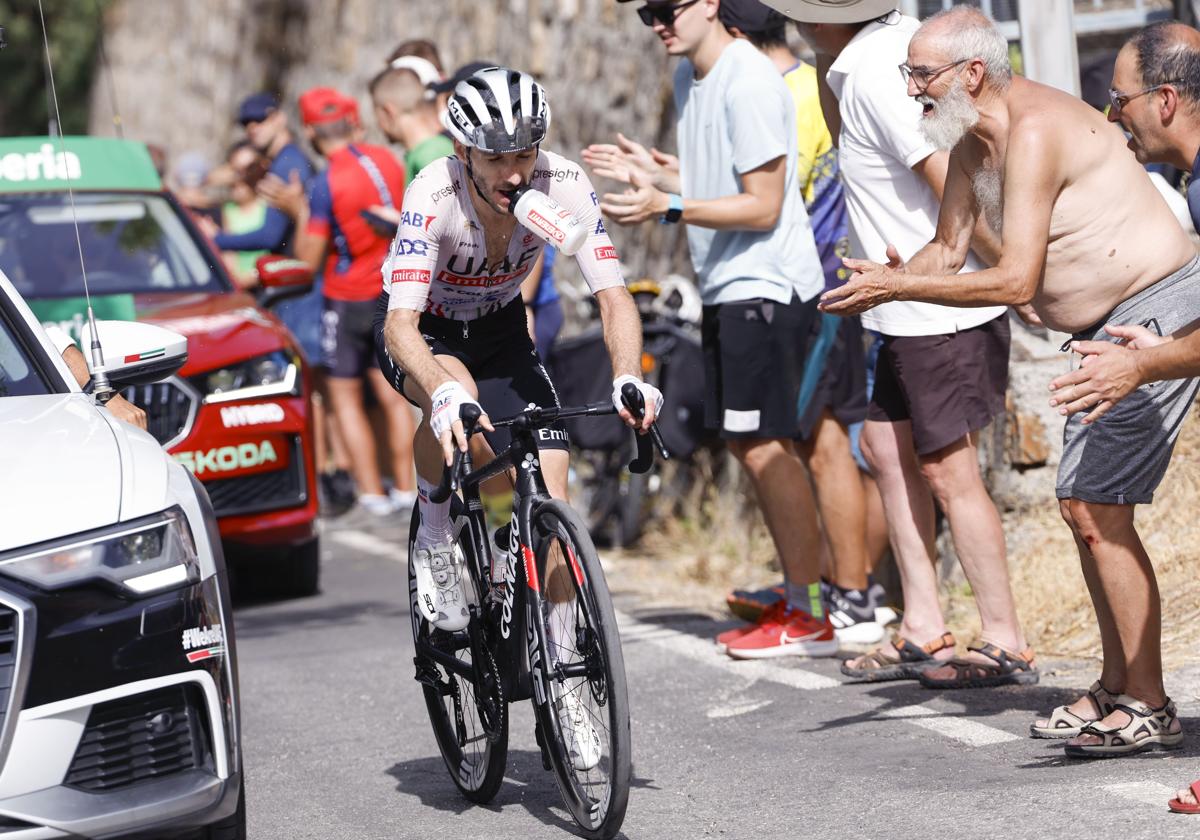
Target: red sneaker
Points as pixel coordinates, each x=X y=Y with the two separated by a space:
x=788 y=632
x=769 y=614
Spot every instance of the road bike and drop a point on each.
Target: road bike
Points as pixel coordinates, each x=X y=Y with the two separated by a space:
x=541 y=628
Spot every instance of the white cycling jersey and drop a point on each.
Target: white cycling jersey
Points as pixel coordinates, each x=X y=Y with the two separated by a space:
x=438 y=261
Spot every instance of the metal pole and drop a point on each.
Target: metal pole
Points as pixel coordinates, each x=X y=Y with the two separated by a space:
x=1048 y=45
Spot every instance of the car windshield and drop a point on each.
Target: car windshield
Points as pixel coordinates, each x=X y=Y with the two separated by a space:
x=18 y=375
x=131 y=243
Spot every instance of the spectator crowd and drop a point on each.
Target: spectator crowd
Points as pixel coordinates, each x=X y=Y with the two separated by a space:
x=865 y=232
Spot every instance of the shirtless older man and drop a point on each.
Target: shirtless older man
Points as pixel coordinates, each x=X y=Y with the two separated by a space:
x=1088 y=240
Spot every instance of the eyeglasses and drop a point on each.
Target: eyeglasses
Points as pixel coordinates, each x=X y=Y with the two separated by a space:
x=924 y=76
x=663 y=13
x=1120 y=100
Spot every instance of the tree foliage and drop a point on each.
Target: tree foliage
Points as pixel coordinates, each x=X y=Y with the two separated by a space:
x=74 y=28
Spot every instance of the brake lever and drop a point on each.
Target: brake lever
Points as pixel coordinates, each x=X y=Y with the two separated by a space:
x=469 y=414
x=631 y=396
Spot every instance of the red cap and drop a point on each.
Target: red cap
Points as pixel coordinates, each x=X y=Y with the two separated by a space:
x=325 y=105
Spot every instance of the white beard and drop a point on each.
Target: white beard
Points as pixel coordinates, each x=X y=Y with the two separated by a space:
x=952 y=117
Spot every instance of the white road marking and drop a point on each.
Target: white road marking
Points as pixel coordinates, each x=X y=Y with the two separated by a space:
x=1150 y=793
x=702 y=650
x=369 y=544
x=736 y=709
x=969 y=732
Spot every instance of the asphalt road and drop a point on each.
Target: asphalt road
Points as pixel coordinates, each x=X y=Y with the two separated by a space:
x=337 y=743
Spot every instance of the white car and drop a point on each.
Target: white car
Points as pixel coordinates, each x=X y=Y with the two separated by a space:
x=119 y=707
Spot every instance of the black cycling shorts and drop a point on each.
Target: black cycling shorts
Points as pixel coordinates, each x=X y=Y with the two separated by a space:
x=499 y=355
x=346 y=337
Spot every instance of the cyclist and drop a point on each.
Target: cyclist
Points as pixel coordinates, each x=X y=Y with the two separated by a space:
x=450 y=324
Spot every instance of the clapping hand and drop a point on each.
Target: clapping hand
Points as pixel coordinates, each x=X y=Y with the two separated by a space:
x=618 y=162
x=285 y=196
x=870 y=285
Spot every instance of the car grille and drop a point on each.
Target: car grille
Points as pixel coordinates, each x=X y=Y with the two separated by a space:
x=8 y=660
x=170 y=408
x=146 y=736
x=262 y=491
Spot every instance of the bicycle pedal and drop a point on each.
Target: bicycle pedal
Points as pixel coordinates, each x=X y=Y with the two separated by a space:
x=426 y=674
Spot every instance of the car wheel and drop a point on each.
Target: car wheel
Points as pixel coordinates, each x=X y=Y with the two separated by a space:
x=299 y=570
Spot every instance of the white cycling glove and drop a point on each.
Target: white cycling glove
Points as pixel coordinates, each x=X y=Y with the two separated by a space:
x=447 y=402
x=650 y=394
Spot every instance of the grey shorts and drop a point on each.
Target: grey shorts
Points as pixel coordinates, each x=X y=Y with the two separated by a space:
x=1121 y=458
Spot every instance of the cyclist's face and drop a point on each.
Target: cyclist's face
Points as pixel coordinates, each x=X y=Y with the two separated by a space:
x=497 y=175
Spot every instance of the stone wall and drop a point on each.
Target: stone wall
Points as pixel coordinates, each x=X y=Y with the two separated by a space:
x=180 y=69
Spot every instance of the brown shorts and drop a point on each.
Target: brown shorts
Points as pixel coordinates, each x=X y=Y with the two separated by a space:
x=947 y=385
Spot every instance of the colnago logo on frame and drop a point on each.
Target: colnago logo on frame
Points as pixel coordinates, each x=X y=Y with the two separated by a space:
x=42 y=165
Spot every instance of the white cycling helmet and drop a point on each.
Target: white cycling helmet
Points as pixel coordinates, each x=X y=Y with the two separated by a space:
x=498 y=110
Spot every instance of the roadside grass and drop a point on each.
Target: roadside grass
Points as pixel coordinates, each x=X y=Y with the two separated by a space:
x=713 y=539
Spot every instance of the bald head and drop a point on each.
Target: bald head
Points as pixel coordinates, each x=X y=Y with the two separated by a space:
x=401 y=89
x=963 y=33
x=1169 y=53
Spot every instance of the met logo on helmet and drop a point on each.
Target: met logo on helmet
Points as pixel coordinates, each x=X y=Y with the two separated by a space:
x=42 y=165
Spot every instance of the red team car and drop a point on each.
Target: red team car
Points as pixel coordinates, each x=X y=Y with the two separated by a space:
x=238 y=413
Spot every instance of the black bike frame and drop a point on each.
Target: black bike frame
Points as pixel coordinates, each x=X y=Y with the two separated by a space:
x=515 y=642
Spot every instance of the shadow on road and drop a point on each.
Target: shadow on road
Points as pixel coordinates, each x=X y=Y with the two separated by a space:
x=526 y=785
x=258 y=625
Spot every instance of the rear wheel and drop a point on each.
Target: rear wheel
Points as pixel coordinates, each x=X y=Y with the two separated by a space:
x=470 y=722
x=581 y=704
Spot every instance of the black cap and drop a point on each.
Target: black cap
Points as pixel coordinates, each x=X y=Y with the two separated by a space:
x=257 y=107
x=464 y=72
x=750 y=16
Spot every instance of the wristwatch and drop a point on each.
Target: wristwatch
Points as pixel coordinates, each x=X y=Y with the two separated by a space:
x=674 y=210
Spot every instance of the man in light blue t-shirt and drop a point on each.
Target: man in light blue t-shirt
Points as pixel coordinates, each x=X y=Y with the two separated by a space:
x=734 y=186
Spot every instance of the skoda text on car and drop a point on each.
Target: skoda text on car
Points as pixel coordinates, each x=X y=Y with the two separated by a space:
x=119 y=710
x=238 y=414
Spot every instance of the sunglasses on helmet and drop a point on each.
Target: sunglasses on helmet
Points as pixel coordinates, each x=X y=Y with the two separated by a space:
x=664 y=13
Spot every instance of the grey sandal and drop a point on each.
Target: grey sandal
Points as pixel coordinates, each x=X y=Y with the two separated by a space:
x=1063 y=723
x=1148 y=729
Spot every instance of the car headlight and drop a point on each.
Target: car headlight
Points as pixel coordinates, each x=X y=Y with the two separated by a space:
x=270 y=375
x=143 y=556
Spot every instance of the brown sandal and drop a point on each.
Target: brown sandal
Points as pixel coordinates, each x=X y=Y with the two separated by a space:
x=901 y=660
x=1009 y=669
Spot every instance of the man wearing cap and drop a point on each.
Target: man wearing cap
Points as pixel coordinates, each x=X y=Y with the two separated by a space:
x=407 y=112
x=942 y=371
x=337 y=231
x=735 y=186
x=267 y=129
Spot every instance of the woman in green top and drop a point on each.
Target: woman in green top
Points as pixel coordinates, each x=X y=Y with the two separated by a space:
x=245 y=211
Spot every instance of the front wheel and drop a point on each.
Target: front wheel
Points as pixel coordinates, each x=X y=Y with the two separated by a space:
x=469 y=722
x=580 y=697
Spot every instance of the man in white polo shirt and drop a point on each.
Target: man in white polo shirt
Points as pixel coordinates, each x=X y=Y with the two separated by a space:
x=942 y=371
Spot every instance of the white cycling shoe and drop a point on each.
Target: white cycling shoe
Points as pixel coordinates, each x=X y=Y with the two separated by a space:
x=583 y=743
x=443 y=586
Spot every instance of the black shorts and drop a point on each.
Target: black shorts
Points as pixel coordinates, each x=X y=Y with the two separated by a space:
x=346 y=337
x=499 y=355
x=947 y=385
x=753 y=362
x=835 y=373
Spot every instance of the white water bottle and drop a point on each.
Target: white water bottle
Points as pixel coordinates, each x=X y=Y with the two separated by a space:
x=549 y=220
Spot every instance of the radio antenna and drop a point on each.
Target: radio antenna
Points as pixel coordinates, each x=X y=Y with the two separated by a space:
x=102 y=390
